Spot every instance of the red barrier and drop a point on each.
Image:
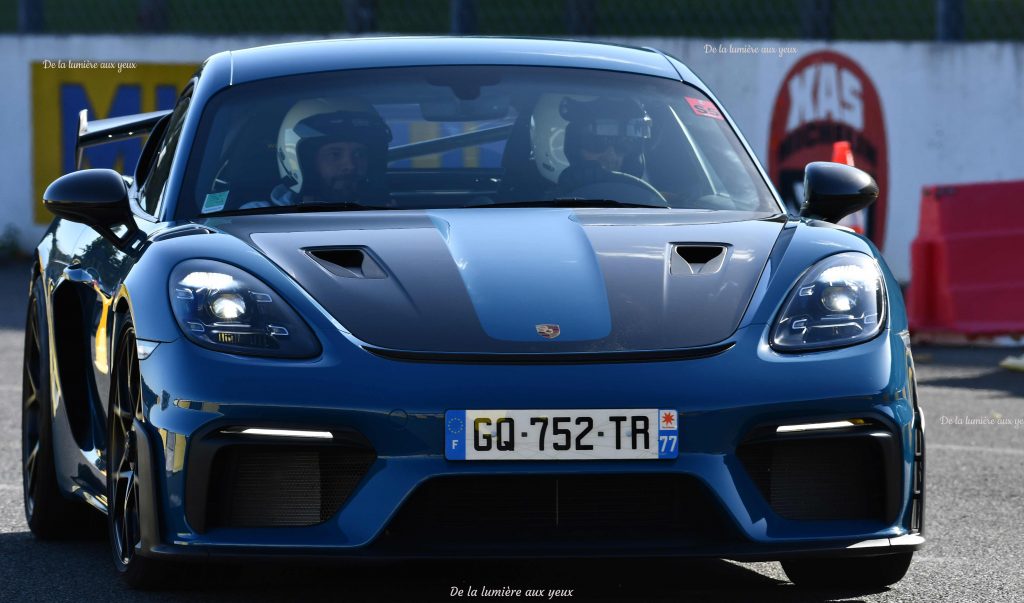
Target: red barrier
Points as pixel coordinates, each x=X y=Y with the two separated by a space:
x=967 y=262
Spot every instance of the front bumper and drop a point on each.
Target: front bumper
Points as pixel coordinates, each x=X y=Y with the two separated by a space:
x=397 y=409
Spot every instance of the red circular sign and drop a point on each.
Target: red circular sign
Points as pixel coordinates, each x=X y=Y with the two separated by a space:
x=827 y=98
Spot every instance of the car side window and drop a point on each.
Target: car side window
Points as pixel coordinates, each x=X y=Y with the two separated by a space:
x=153 y=187
x=154 y=140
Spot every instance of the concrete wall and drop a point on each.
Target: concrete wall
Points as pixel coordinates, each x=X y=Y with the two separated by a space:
x=952 y=112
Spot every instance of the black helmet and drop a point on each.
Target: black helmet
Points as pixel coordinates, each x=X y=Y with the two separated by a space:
x=595 y=125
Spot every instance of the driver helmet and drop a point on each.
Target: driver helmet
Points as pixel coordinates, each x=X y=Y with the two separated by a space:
x=311 y=123
x=602 y=122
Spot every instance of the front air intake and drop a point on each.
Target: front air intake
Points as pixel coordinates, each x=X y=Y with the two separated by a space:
x=852 y=475
x=582 y=512
x=256 y=486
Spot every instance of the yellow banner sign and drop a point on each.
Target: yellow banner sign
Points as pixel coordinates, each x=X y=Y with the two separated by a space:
x=61 y=89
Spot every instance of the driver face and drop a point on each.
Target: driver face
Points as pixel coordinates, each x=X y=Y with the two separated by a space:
x=341 y=166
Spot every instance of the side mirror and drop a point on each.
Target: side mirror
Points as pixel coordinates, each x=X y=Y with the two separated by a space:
x=96 y=197
x=833 y=191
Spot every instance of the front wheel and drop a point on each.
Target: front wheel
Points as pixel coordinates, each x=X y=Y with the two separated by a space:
x=848 y=572
x=125 y=417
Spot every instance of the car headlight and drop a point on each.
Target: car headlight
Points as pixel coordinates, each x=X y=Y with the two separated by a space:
x=227 y=309
x=840 y=301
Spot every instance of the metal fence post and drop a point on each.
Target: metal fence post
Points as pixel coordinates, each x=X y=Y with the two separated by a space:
x=580 y=17
x=949 y=20
x=360 y=16
x=816 y=19
x=463 y=13
x=30 y=16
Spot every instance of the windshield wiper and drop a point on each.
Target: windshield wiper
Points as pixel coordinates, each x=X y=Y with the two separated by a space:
x=571 y=202
x=295 y=209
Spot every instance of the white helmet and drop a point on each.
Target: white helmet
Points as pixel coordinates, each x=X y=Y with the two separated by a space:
x=328 y=120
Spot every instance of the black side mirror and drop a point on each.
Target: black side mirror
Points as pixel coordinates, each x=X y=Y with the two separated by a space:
x=96 y=197
x=833 y=191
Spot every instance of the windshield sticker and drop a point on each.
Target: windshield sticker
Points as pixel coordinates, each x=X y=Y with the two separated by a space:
x=215 y=202
x=703 y=107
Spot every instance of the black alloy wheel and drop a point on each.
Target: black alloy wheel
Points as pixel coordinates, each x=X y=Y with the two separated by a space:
x=32 y=409
x=124 y=513
x=123 y=454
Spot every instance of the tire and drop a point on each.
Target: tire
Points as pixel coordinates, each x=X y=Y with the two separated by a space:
x=124 y=522
x=848 y=572
x=49 y=514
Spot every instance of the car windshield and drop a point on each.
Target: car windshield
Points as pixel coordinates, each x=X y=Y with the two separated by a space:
x=466 y=136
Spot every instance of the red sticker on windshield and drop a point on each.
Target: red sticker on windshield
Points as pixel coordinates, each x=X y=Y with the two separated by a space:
x=703 y=107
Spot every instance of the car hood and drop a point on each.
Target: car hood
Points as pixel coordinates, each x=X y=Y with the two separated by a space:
x=523 y=280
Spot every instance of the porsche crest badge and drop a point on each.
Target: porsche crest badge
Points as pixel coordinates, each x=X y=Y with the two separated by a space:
x=548 y=331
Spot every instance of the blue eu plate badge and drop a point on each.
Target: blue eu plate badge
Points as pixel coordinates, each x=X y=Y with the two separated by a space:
x=455 y=435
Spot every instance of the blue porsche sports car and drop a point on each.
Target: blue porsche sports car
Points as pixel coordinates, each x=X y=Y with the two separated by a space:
x=386 y=298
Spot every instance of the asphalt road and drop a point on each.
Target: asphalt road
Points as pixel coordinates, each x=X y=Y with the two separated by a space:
x=975 y=550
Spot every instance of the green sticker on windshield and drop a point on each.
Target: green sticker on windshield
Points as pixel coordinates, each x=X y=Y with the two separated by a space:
x=215 y=202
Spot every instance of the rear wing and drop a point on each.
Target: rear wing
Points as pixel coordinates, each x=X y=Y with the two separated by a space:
x=102 y=131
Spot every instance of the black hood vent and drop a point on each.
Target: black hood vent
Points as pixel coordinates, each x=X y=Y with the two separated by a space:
x=699 y=259
x=348 y=262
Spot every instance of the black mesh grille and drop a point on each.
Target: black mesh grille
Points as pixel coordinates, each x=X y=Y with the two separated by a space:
x=282 y=485
x=823 y=478
x=493 y=511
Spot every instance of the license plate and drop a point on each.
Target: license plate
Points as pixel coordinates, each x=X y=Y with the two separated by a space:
x=556 y=435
